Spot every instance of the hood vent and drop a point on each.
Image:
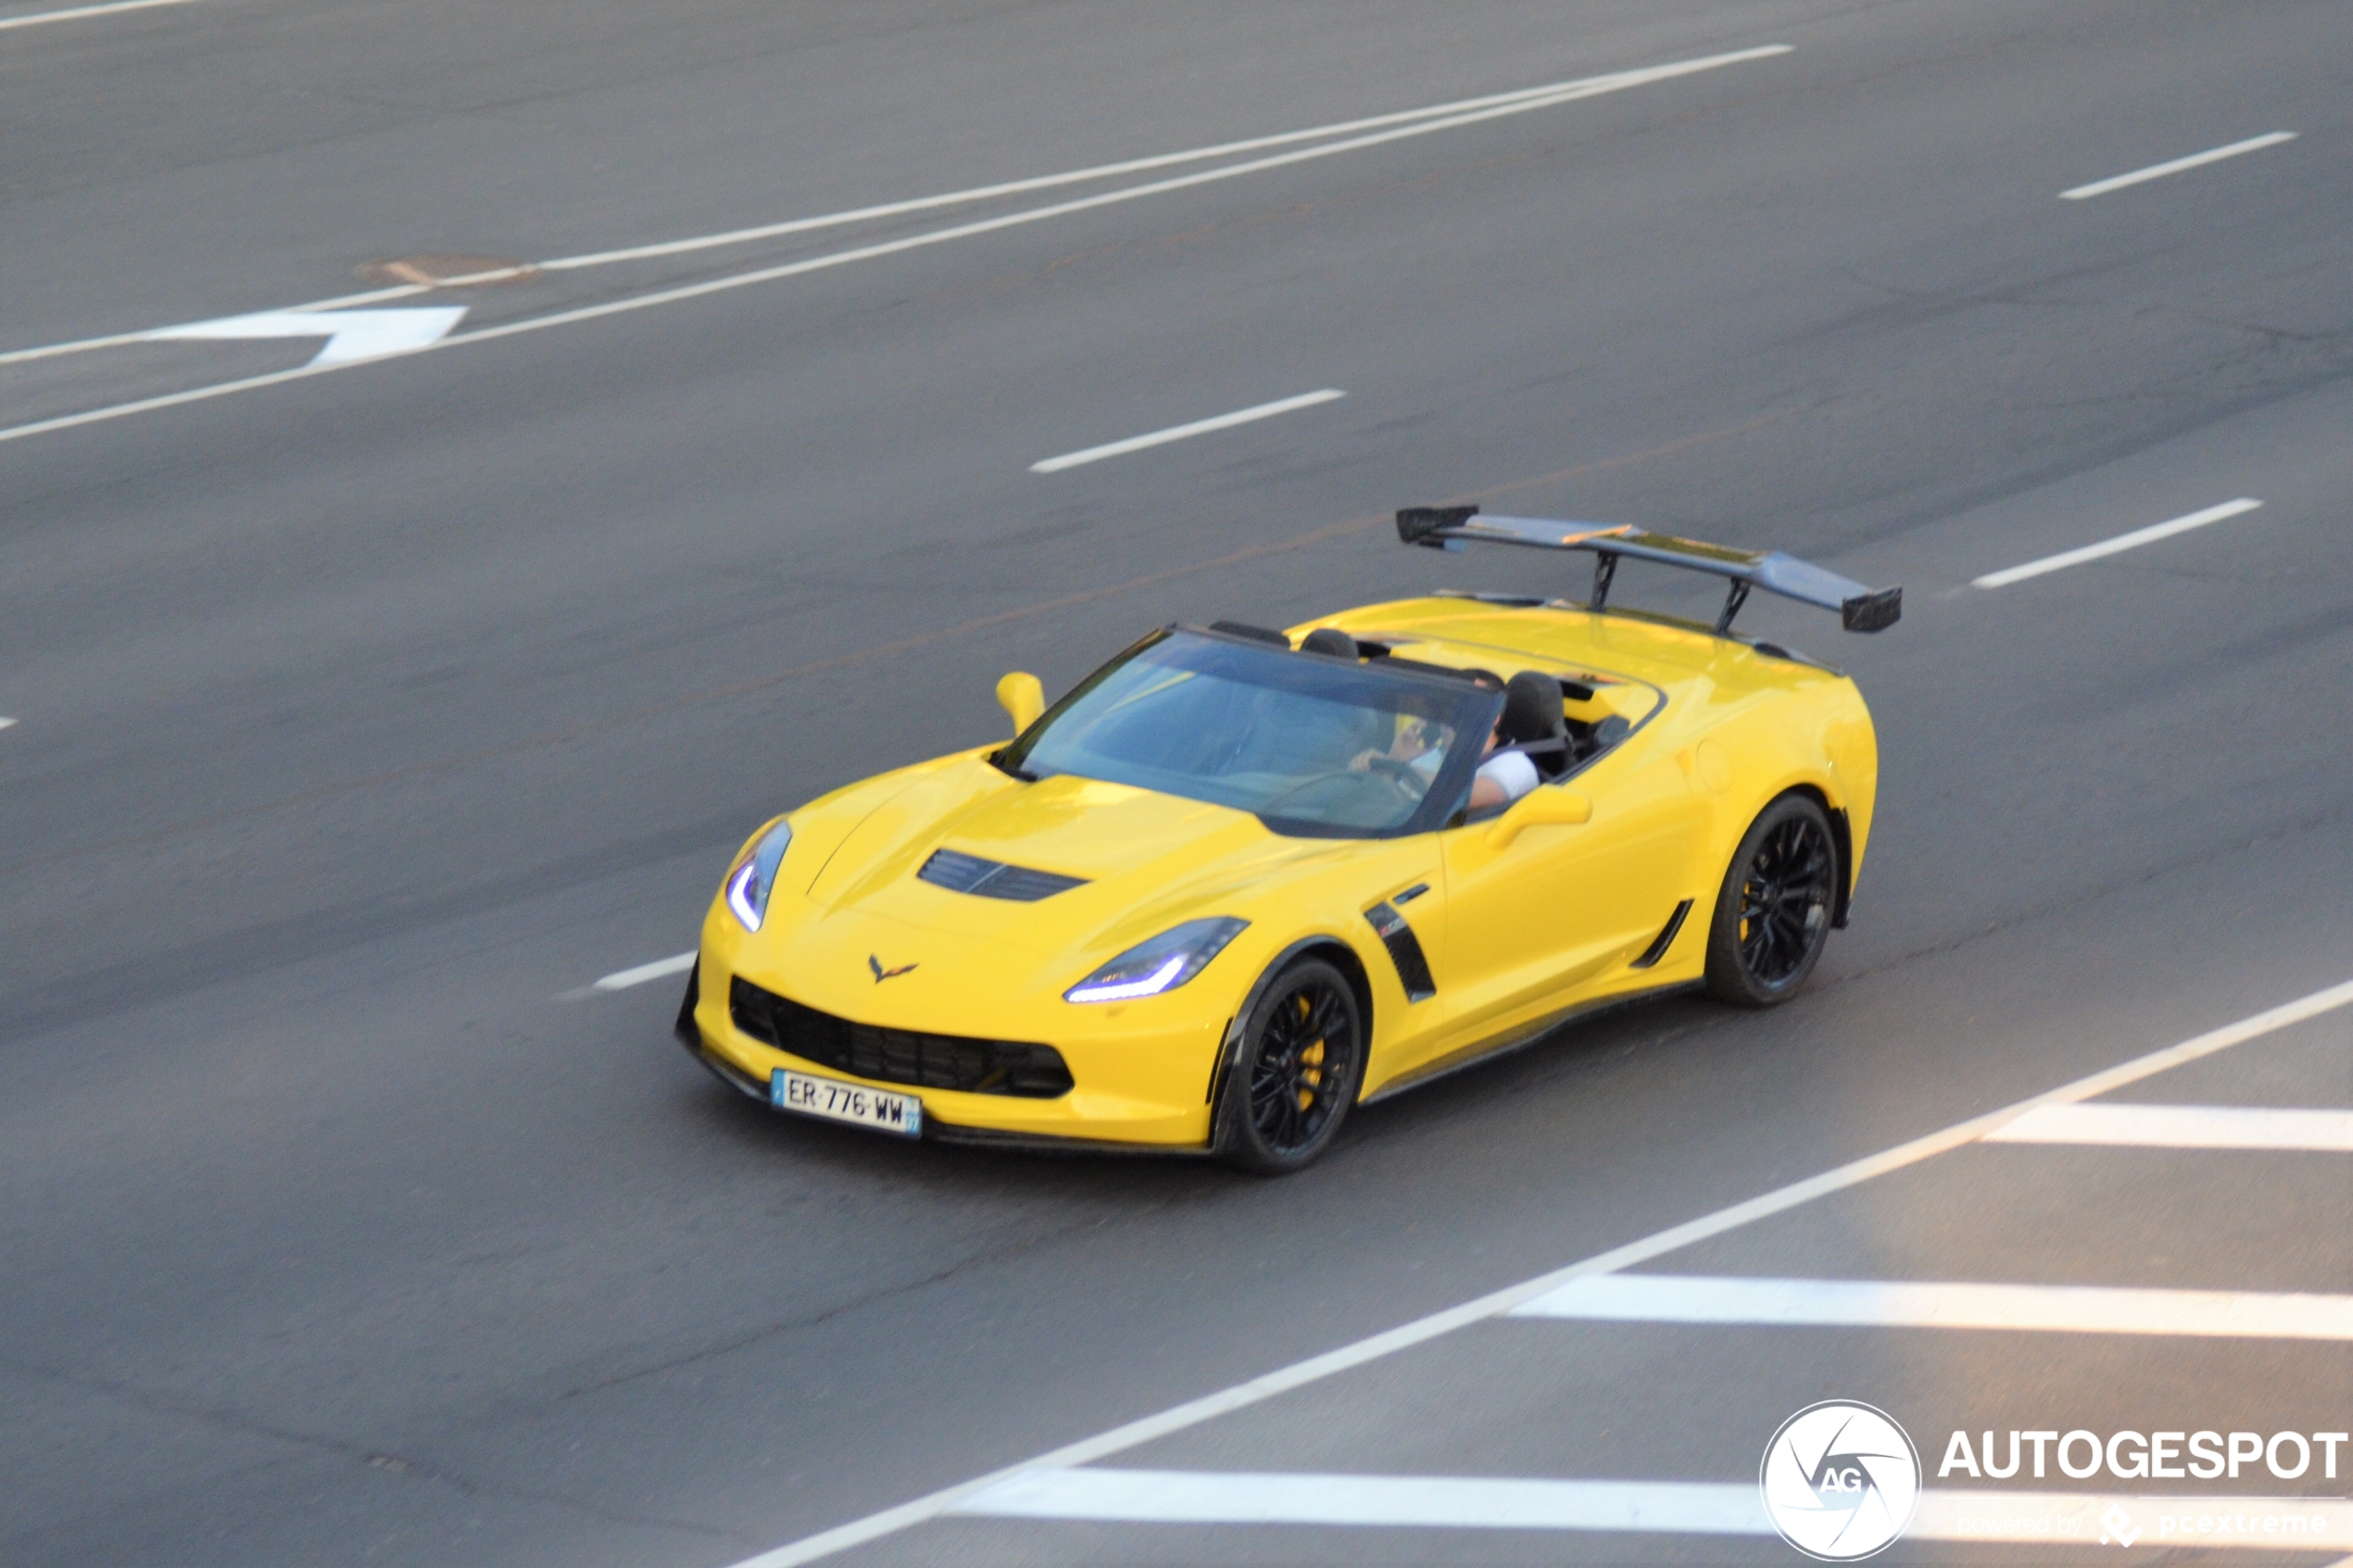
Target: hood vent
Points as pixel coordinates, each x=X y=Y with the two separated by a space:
x=993 y=879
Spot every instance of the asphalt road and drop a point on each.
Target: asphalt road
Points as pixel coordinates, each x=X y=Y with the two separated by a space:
x=361 y=716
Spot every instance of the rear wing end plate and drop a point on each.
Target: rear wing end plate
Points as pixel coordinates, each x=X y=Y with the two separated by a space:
x=1859 y=608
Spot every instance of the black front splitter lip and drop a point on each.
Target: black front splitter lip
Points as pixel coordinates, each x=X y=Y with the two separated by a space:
x=935 y=1131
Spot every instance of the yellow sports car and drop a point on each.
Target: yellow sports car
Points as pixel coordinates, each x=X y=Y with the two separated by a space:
x=1240 y=880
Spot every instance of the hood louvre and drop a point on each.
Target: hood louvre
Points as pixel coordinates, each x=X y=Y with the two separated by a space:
x=959 y=873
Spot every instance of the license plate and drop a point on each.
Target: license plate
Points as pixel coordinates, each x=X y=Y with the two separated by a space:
x=846 y=1103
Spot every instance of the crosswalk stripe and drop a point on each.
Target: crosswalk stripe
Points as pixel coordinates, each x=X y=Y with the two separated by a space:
x=1267 y=1385
x=1470 y=1502
x=2182 y=1126
x=1178 y=1496
x=1942 y=1304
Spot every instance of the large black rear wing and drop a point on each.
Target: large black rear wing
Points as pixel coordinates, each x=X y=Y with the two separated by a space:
x=1859 y=608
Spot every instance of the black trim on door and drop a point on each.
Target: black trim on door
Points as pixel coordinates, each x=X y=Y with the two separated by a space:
x=1666 y=939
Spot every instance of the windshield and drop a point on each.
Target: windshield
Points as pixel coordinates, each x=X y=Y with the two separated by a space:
x=1309 y=745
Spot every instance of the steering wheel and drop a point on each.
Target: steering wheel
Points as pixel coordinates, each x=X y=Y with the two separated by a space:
x=1332 y=792
x=1404 y=775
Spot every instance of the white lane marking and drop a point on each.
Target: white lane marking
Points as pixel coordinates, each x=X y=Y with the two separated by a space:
x=1596 y=87
x=1464 y=1502
x=51 y=350
x=1581 y=86
x=5 y=722
x=1299 y=1374
x=621 y=980
x=1532 y=97
x=352 y=335
x=2183 y=1126
x=1880 y=1303
x=2159 y=170
x=1178 y=1496
x=36 y=21
x=1562 y=92
x=1179 y=433
x=2117 y=546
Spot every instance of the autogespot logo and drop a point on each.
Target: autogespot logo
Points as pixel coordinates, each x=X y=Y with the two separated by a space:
x=1839 y=1480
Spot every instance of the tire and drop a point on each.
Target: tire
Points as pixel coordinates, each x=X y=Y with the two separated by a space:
x=1301 y=1060
x=1773 y=914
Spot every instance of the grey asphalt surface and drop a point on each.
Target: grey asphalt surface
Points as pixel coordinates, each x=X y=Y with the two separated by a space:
x=361 y=717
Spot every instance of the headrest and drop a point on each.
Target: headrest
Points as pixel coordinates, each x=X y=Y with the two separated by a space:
x=1331 y=641
x=1249 y=632
x=1532 y=708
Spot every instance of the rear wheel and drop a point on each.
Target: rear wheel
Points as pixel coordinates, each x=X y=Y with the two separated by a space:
x=1773 y=916
x=1301 y=1060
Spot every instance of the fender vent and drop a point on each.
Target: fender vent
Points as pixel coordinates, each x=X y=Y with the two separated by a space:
x=1665 y=939
x=1404 y=951
x=993 y=879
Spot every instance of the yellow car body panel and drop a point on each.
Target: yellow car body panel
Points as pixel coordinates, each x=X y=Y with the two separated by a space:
x=1517 y=936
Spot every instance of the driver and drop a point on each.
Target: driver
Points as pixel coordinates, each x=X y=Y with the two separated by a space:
x=1503 y=776
x=1421 y=744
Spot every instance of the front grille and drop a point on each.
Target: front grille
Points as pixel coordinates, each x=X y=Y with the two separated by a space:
x=898 y=1056
x=959 y=873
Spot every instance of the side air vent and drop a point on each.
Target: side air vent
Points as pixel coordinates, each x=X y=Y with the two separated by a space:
x=1404 y=951
x=1666 y=939
x=993 y=879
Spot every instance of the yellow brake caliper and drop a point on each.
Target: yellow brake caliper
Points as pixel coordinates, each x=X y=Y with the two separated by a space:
x=1312 y=1060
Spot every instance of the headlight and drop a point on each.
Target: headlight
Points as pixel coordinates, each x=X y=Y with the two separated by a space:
x=1161 y=964
x=754 y=876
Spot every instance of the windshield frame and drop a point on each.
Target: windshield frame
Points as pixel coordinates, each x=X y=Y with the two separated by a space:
x=1446 y=790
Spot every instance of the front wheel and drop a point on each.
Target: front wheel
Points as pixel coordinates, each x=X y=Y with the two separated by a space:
x=1295 y=1076
x=1773 y=916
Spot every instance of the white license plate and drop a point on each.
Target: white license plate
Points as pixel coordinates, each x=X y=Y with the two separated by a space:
x=846 y=1103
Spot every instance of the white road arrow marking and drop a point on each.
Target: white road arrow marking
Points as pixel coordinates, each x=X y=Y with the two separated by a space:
x=350 y=334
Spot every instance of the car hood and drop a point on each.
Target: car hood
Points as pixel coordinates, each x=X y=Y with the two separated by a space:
x=1144 y=861
x=851 y=930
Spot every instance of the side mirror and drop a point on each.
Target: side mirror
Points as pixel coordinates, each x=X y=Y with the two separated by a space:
x=1022 y=698
x=1545 y=806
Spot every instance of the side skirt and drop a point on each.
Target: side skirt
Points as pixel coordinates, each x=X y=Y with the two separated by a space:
x=1520 y=1038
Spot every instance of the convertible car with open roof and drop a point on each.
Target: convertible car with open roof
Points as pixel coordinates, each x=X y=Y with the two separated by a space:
x=1240 y=880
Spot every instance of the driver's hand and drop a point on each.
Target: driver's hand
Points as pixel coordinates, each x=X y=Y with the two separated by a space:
x=1363 y=760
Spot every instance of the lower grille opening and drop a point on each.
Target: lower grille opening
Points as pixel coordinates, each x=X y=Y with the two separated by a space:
x=898 y=1056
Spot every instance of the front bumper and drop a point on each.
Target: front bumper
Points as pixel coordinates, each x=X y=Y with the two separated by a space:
x=1131 y=1090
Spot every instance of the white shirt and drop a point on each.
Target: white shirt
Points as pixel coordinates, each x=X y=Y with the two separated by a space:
x=1511 y=770
x=1512 y=773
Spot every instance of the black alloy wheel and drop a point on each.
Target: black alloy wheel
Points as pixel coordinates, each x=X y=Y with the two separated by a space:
x=1773 y=916
x=1290 y=1087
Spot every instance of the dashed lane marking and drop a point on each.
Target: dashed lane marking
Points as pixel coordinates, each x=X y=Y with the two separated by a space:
x=1179 y=433
x=2183 y=1126
x=2159 y=170
x=2117 y=546
x=621 y=980
x=1299 y=1375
